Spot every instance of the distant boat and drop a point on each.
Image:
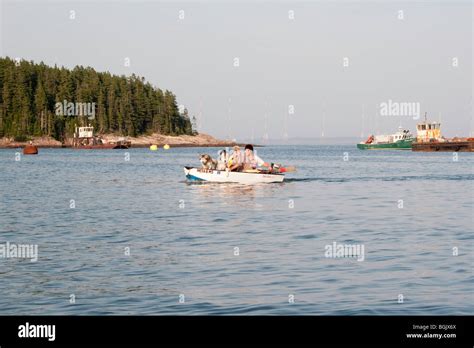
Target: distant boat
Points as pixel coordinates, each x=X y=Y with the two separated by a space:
x=30 y=150
x=429 y=138
x=401 y=140
x=84 y=139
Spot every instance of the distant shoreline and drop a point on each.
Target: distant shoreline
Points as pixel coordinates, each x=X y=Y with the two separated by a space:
x=145 y=141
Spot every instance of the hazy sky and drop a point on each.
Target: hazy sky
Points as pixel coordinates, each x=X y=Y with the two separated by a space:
x=282 y=61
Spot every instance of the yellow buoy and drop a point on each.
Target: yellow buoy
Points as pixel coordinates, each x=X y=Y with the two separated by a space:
x=153 y=147
x=166 y=147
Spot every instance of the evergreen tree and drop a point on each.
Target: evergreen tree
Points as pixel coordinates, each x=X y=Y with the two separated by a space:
x=125 y=105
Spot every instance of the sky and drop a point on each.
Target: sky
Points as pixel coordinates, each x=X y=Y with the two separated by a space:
x=276 y=69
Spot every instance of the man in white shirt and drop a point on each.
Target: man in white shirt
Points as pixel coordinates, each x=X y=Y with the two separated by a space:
x=251 y=160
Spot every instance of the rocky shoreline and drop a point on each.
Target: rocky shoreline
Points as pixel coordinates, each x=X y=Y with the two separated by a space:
x=200 y=140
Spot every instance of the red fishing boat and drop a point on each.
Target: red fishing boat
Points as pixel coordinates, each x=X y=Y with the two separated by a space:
x=84 y=139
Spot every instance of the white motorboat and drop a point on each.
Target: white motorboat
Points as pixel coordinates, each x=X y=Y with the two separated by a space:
x=246 y=177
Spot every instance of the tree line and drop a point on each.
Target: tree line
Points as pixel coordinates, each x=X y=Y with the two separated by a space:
x=30 y=94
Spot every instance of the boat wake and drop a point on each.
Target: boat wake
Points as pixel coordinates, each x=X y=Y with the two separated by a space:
x=385 y=178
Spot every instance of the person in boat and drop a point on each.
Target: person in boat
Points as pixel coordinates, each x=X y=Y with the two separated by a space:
x=236 y=159
x=252 y=161
x=223 y=160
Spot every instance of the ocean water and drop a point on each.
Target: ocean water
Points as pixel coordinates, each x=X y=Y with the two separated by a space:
x=138 y=239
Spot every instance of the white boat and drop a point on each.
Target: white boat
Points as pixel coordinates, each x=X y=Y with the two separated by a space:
x=256 y=177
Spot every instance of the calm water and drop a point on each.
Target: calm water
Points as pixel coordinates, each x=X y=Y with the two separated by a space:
x=190 y=249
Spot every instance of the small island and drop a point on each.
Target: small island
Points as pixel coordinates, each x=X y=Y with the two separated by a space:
x=44 y=104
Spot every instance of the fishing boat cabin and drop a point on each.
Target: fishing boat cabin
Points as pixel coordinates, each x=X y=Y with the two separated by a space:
x=428 y=131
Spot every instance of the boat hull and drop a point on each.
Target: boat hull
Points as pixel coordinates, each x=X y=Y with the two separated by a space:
x=448 y=146
x=117 y=145
x=399 y=145
x=198 y=174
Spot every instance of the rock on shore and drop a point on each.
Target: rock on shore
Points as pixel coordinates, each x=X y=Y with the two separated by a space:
x=44 y=141
x=180 y=140
x=200 y=140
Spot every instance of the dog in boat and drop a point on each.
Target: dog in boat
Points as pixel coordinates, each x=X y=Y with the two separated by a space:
x=208 y=162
